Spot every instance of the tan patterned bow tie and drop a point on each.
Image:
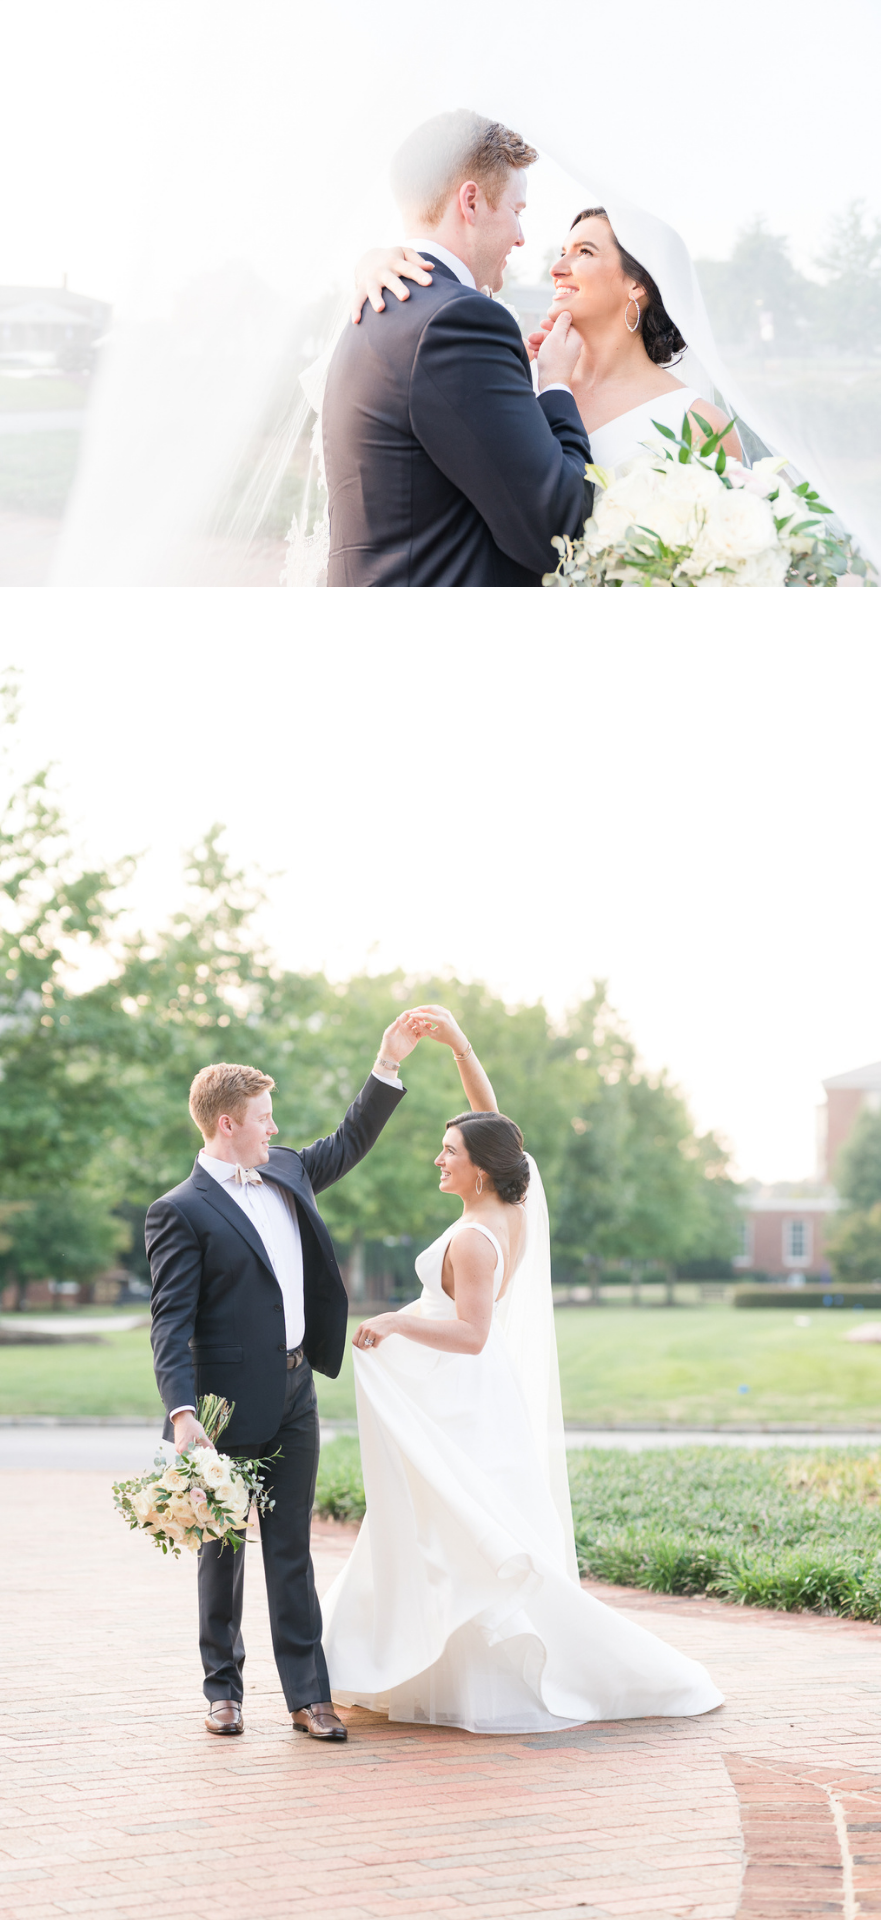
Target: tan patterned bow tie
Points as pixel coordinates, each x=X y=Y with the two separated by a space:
x=248 y=1177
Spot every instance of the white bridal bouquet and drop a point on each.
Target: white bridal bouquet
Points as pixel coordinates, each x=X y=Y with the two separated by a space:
x=203 y=1495
x=696 y=518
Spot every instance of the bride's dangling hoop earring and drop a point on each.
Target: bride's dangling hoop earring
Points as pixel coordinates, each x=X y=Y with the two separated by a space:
x=632 y=302
x=479 y=1186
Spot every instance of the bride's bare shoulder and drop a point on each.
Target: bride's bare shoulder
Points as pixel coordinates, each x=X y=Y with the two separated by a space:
x=715 y=419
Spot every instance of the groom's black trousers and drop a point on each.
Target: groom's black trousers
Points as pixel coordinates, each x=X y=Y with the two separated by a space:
x=294 y=1612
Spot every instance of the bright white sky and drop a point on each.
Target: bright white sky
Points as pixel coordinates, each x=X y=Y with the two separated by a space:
x=689 y=811
x=149 y=138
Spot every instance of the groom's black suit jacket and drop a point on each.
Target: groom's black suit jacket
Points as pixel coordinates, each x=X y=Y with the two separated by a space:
x=217 y=1314
x=442 y=468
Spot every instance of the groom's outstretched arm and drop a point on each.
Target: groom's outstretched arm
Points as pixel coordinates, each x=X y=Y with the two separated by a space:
x=518 y=459
x=326 y=1161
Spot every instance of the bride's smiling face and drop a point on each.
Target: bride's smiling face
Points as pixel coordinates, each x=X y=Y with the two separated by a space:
x=589 y=280
x=458 y=1172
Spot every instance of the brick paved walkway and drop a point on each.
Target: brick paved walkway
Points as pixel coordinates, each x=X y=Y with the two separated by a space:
x=114 y=1802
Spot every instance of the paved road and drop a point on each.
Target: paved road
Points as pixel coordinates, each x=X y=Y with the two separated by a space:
x=127 y=1448
x=60 y=420
x=114 y=1802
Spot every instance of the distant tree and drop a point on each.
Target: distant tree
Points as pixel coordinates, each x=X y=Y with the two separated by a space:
x=758 y=297
x=850 y=303
x=61 y=1236
x=858 y=1167
x=854 y=1247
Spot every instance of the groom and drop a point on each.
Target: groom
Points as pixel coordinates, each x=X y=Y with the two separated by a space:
x=247 y=1299
x=443 y=469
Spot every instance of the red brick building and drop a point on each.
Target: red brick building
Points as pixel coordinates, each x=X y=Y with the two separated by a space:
x=784 y=1226
x=847 y=1096
x=784 y=1231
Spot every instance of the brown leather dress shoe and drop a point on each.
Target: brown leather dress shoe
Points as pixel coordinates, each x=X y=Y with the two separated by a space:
x=320 y=1722
x=225 y=1716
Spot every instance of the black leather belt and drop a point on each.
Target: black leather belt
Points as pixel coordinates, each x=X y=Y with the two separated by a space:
x=295 y=1357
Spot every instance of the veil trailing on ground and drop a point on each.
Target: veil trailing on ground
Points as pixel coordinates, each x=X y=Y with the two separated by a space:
x=526 y=1316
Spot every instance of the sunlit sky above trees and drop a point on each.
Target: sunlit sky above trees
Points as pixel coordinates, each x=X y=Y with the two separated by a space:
x=690 y=814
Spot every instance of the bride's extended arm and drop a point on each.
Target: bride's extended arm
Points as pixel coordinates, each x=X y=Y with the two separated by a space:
x=437 y=1023
x=474 y=1263
x=387 y=267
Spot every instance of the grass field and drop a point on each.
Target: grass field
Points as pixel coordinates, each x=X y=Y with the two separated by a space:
x=796 y=1531
x=682 y=1366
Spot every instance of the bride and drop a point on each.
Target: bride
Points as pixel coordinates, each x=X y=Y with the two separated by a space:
x=460 y=1604
x=624 y=380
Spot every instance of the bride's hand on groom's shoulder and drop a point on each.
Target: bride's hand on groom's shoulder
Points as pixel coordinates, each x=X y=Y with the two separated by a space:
x=437 y=1023
x=388 y=268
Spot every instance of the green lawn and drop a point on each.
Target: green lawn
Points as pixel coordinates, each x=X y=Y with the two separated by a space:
x=114 y=1378
x=680 y=1366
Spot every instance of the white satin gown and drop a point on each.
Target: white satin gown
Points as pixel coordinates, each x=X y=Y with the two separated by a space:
x=622 y=438
x=460 y=1604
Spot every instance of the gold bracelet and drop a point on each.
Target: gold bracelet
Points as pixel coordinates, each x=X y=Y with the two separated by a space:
x=464 y=1056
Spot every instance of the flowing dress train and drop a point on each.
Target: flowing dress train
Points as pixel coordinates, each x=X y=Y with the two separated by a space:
x=460 y=1603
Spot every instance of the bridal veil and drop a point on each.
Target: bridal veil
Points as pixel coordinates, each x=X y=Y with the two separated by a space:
x=256 y=171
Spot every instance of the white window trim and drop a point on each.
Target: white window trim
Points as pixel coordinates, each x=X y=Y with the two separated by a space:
x=804 y=1259
x=745 y=1259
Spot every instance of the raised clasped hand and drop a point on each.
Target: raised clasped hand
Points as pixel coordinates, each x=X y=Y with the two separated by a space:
x=437 y=1023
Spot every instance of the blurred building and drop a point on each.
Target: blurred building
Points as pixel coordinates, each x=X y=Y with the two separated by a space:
x=847 y=1096
x=44 y=328
x=783 y=1230
x=783 y=1226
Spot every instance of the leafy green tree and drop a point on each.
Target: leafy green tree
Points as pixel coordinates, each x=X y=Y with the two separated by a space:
x=854 y=1247
x=858 y=1168
x=61 y=1236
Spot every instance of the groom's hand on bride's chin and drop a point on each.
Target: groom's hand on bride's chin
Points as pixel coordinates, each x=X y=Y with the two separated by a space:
x=535 y=341
x=559 y=355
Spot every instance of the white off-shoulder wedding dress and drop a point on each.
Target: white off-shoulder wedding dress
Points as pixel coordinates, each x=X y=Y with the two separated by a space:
x=460 y=1604
x=624 y=436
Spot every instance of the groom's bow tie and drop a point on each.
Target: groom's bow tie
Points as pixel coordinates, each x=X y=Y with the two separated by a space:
x=248 y=1177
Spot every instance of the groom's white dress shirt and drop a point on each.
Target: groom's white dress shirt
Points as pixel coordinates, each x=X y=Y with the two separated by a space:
x=273 y=1212
x=431 y=250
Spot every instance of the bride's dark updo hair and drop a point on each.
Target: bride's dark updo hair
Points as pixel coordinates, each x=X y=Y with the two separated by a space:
x=660 y=335
x=495 y=1144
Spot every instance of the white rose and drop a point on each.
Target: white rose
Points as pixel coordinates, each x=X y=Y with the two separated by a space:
x=142 y=1505
x=173 y=1478
x=766 y=569
x=213 y=1467
x=738 y=526
x=239 y=1501
x=179 y=1509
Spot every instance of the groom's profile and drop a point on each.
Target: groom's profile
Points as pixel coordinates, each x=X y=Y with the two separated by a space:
x=247 y=1298
x=443 y=467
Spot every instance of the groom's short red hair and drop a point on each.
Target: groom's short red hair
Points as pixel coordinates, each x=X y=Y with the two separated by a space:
x=224 y=1088
x=444 y=152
